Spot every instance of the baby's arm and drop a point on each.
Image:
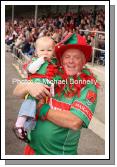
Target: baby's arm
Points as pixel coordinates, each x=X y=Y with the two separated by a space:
x=33 y=67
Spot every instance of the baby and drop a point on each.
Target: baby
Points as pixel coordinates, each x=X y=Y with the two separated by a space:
x=41 y=70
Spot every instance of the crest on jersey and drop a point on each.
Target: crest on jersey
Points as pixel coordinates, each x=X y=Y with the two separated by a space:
x=91 y=97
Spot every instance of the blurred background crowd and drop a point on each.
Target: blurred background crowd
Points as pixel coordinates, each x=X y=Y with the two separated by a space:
x=22 y=31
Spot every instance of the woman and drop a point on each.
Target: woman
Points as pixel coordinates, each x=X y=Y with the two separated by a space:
x=60 y=121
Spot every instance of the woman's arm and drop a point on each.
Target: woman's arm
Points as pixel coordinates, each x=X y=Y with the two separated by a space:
x=21 y=90
x=64 y=119
x=80 y=113
x=37 y=90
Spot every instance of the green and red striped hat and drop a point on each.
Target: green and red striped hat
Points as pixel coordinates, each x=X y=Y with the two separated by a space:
x=73 y=41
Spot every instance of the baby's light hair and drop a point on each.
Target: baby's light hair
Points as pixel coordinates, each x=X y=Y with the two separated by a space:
x=44 y=39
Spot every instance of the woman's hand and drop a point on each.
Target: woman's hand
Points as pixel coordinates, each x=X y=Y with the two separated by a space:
x=37 y=90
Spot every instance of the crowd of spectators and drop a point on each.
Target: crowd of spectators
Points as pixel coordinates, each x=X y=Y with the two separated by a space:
x=23 y=32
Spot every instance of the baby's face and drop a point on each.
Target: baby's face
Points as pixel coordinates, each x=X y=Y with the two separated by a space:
x=45 y=48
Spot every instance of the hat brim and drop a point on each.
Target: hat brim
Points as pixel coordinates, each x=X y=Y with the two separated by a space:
x=86 y=49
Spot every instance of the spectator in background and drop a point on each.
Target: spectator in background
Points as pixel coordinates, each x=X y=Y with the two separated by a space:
x=56 y=26
x=19 y=41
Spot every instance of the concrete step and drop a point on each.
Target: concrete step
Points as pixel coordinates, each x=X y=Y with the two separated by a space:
x=98 y=70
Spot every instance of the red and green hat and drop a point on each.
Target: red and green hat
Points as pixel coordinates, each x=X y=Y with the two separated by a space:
x=73 y=41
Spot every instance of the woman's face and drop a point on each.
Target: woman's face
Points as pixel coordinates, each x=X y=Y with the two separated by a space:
x=73 y=61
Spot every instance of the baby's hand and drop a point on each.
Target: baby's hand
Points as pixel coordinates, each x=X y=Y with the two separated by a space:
x=47 y=59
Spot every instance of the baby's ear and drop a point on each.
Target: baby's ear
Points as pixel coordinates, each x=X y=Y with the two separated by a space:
x=35 y=52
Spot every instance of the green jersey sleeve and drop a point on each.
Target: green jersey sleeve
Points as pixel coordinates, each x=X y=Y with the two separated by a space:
x=84 y=106
x=30 y=62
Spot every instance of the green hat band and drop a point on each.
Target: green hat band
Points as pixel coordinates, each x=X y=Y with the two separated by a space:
x=72 y=40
